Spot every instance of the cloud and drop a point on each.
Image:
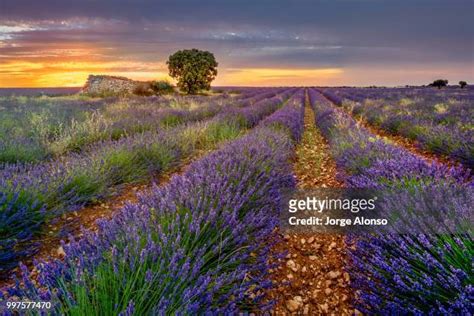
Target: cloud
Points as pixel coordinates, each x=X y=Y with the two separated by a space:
x=67 y=74
x=275 y=76
x=319 y=34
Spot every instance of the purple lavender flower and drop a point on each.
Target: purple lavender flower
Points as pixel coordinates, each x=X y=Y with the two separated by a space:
x=185 y=247
x=426 y=268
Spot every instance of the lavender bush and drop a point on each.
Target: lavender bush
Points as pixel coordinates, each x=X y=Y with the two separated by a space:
x=64 y=185
x=286 y=119
x=37 y=128
x=409 y=272
x=440 y=122
x=197 y=245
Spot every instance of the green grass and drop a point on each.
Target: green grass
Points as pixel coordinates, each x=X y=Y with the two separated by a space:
x=205 y=136
x=34 y=129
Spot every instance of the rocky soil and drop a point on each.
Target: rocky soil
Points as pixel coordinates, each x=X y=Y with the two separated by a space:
x=311 y=279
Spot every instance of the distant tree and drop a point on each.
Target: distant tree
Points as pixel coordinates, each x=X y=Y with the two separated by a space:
x=462 y=84
x=193 y=69
x=439 y=83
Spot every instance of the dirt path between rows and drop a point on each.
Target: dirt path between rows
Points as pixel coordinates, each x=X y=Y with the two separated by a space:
x=312 y=280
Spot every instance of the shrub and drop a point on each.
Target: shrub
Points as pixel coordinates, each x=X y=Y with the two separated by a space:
x=21 y=150
x=153 y=88
x=162 y=87
x=20 y=215
x=144 y=89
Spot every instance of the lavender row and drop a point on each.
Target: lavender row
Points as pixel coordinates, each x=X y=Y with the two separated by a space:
x=266 y=93
x=392 y=94
x=285 y=118
x=198 y=245
x=32 y=195
x=440 y=122
x=37 y=129
x=249 y=116
x=419 y=272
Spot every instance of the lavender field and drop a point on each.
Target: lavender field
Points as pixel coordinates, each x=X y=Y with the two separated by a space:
x=439 y=121
x=204 y=240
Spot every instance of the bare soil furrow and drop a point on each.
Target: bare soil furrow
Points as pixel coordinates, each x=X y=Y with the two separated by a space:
x=311 y=279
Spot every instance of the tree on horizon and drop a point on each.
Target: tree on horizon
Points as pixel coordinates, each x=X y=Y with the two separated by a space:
x=193 y=69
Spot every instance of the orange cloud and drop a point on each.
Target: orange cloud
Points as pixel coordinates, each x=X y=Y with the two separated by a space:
x=70 y=74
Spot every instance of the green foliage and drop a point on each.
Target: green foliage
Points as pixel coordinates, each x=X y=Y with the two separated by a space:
x=218 y=132
x=153 y=88
x=462 y=84
x=11 y=152
x=34 y=129
x=123 y=166
x=85 y=184
x=193 y=69
x=75 y=135
x=415 y=131
x=206 y=136
x=162 y=87
x=158 y=157
x=437 y=143
x=14 y=227
x=105 y=93
x=171 y=120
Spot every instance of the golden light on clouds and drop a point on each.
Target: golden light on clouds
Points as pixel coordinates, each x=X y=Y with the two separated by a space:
x=72 y=74
x=78 y=78
x=19 y=67
x=277 y=76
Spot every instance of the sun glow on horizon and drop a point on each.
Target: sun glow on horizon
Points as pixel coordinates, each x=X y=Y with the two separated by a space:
x=73 y=74
x=277 y=76
x=32 y=74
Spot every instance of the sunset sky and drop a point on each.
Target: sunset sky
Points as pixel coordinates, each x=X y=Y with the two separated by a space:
x=271 y=42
